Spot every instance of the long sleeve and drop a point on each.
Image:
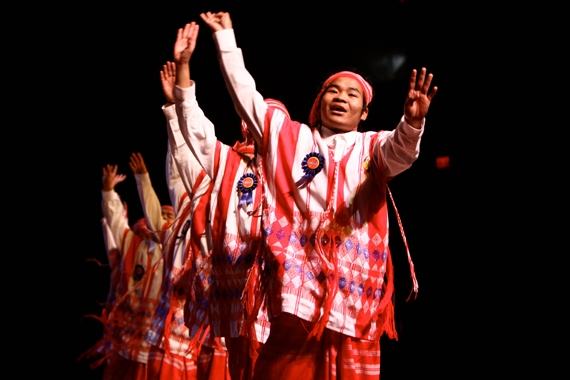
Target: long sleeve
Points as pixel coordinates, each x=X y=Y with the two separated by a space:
x=249 y=103
x=187 y=166
x=113 y=211
x=399 y=148
x=108 y=239
x=150 y=205
x=396 y=149
x=176 y=189
x=176 y=182
x=197 y=130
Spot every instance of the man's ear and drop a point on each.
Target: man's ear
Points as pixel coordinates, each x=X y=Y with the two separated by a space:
x=364 y=114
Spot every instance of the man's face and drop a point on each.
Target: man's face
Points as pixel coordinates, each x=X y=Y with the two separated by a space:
x=341 y=105
x=168 y=216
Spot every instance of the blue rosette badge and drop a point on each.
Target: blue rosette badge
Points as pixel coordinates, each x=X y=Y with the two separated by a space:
x=312 y=164
x=246 y=184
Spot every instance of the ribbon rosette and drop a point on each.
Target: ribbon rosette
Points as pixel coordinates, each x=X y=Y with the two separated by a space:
x=312 y=164
x=246 y=184
x=138 y=273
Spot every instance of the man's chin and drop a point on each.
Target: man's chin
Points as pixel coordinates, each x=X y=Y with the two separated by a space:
x=340 y=128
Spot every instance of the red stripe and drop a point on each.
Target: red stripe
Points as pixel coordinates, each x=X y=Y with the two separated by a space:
x=285 y=156
x=227 y=190
x=129 y=257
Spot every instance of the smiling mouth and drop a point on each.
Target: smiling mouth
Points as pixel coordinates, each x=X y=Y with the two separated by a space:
x=337 y=110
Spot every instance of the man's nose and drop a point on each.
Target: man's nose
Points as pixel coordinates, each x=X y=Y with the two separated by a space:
x=340 y=97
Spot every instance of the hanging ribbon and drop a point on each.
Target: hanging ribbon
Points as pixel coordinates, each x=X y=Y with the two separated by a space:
x=246 y=184
x=312 y=164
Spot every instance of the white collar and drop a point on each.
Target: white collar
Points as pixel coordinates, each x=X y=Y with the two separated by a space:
x=333 y=140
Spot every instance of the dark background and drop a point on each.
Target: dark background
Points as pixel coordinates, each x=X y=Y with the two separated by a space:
x=290 y=49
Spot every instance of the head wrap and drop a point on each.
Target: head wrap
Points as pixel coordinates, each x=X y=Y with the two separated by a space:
x=167 y=208
x=366 y=87
x=140 y=226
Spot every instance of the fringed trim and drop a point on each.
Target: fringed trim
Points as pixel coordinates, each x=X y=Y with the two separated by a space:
x=113 y=323
x=166 y=334
x=171 y=245
x=330 y=285
x=410 y=262
x=384 y=314
x=253 y=301
x=106 y=346
x=97 y=262
x=199 y=338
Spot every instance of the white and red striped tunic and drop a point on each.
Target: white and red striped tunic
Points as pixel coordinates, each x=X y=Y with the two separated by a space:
x=181 y=243
x=139 y=286
x=329 y=239
x=235 y=230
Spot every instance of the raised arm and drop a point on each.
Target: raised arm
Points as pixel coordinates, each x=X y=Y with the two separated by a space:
x=419 y=98
x=149 y=200
x=176 y=187
x=249 y=103
x=111 y=204
x=198 y=132
x=400 y=147
x=183 y=169
x=183 y=49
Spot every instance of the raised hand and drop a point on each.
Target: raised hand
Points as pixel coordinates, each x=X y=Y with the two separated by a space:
x=217 y=21
x=185 y=42
x=137 y=164
x=418 y=100
x=111 y=178
x=168 y=80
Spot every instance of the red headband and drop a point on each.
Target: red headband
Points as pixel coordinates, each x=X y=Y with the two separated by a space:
x=140 y=225
x=366 y=87
x=167 y=208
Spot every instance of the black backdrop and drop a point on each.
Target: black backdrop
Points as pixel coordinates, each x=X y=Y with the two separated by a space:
x=116 y=103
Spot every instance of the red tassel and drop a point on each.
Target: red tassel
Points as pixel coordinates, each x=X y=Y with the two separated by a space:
x=415 y=288
x=330 y=287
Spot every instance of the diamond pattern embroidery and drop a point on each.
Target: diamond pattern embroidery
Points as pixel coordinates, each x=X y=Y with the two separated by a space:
x=376 y=255
x=348 y=245
x=293 y=239
x=378 y=293
x=360 y=290
x=377 y=240
x=283 y=222
x=337 y=241
x=352 y=286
